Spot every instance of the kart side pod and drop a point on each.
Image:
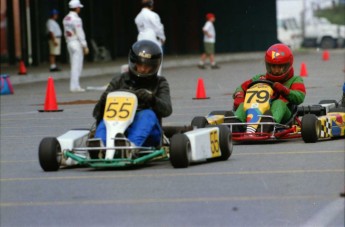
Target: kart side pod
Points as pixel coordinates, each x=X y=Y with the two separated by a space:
x=200 y=145
x=73 y=138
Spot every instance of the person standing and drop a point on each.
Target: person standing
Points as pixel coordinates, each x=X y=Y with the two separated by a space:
x=209 y=42
x=149 y=26
x=54 y=39
x=76 y=43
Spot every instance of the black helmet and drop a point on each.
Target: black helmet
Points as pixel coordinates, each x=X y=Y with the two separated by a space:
x=147 y=3
x=147 y=53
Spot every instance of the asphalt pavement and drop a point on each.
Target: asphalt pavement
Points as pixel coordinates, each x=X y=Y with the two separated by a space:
x=41 y=73
x=283 y=183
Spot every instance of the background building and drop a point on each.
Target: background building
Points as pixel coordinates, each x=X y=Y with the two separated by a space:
x=247 y=25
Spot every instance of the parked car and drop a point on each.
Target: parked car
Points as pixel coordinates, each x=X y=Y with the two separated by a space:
x=289 y=32
x=319 y=32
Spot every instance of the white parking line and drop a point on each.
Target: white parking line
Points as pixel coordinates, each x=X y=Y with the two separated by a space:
x=325 y=216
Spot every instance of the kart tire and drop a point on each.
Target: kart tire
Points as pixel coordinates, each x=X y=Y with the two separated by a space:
x=310 y=128
x=180 y=151
x=199 y=122
x=169 y=131
x=49 y=154
x=225 y=142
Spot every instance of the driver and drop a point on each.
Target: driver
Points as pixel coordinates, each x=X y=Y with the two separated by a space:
x=279 y=70
x=153 y=95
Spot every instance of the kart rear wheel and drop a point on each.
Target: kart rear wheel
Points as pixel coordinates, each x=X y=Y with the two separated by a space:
x=310 y=128
x=180 y=151
x=225 y=142
x=49 y=154
x=199 y=122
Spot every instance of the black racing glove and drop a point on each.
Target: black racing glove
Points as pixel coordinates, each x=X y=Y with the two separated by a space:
x=145 y=97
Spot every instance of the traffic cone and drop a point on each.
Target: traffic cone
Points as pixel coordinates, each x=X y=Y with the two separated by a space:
x=200 y=90
x=50 y=104
x=303 y=72
x=22 y=68
x=325 y=55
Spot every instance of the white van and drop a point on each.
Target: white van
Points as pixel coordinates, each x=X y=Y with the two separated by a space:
x=289 y=32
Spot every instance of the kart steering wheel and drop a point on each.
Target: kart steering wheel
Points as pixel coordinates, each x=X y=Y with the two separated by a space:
x=276 y=93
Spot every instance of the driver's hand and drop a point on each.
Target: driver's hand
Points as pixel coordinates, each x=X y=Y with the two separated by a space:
x=144 y=96
x=238 y=99
x=284 y=91
x=245 y=85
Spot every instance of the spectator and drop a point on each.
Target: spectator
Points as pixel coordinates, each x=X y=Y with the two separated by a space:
x=149 y=25
x=209 y=42
x=76 y=43
x=54 y=39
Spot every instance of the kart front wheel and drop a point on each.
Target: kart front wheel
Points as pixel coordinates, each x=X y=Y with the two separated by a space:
x=180 y=151
x=310 y=128
x=49 y=154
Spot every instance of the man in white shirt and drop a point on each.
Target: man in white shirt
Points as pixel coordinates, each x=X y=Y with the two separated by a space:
x=209 y=42
x=54 y=41
x=149 y=25
x=76 y=43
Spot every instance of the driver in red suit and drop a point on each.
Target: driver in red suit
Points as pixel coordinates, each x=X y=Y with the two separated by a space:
x=279 y=70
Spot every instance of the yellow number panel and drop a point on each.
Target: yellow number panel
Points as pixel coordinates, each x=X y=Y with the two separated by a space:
x=215 y=144
x=118 y=108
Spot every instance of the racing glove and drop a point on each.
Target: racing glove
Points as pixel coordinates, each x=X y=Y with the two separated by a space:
x=244 y=86
x=238 y=99
x=145 y=97
x=284 y=91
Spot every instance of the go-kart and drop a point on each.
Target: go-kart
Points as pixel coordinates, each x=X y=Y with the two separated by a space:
x=259 y=123
x=330 y=123
x=181 y=144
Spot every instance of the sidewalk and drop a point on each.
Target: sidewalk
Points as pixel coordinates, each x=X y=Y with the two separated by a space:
x=41 y=73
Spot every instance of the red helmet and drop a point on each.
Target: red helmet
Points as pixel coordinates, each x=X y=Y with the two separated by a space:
x=209 y=16
x=279 y=54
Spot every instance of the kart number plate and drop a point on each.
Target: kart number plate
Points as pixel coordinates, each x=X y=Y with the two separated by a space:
x=258 y=96
x=119 y=108
x=215 y=144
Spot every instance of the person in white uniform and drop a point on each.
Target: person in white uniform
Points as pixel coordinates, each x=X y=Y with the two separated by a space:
x=149 y=26
x=76 y=43
x=54 y=39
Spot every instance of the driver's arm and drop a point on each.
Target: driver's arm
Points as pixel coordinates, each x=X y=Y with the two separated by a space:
x=162 y=104
x=297 y=91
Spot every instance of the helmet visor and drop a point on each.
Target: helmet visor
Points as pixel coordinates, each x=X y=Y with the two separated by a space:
x=277 y=69
x=144 y=67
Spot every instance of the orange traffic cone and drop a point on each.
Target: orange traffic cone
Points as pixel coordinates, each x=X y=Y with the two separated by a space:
x=325 y=55
x=303 y=72
x=200 y=90
x=50 y=104
x=22 y=68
